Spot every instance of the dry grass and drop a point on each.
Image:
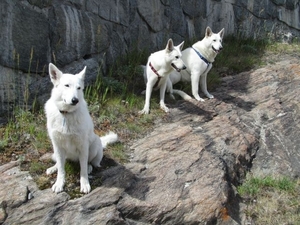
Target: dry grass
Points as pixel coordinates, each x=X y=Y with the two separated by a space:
x=270 y=200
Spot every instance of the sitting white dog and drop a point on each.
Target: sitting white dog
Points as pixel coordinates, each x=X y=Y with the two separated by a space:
x=71 y=130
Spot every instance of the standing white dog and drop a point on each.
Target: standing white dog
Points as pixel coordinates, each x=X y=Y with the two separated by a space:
x=160 y=64
x=71 y=128
x=198 y=60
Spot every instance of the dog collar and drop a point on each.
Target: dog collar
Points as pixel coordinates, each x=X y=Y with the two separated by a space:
x=155 y=71
x=63 y=112
x=202 y=57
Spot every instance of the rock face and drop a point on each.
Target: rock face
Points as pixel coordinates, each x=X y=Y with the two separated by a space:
x=186 y=170
x=74 y=33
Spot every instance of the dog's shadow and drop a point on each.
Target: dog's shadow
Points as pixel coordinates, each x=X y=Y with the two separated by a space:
x=113 y=174
x=191 y=110
x=207 y=109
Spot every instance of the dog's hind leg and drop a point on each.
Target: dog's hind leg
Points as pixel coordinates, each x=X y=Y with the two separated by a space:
x=96 y=153
x=182 y=94
x=90 y=168
x=170 y=88
x=51 y=170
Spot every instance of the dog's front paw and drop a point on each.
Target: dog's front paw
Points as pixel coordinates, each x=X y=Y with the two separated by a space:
x=85 y=186
x=144 y=111
x=199 y=99
x=58 y=186
x=165 y=108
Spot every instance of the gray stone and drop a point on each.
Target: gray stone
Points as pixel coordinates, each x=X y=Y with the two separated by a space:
x=24 y=40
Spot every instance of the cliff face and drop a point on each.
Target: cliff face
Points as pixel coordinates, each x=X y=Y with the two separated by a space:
x=74 y=33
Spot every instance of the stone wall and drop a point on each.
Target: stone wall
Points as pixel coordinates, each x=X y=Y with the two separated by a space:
x=74 y=33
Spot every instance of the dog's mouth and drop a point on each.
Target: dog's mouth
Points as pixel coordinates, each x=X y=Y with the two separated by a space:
x=176 y=68
x=216 y=51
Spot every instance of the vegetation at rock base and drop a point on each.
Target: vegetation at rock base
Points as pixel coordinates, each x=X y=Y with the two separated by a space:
x=114 y=100
x=271 y=200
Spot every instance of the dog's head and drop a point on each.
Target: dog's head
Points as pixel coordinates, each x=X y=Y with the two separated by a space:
x=68 y=89
x=173 y=55
x=214 y=40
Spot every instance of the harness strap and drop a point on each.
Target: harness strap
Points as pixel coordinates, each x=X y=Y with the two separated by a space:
x=202 y=57
x=158 y=76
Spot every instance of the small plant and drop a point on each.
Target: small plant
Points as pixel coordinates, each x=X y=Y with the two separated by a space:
x=116 y=152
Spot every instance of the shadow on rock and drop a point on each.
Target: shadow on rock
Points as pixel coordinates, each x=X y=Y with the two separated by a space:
x=115 y=175
x=237 y=101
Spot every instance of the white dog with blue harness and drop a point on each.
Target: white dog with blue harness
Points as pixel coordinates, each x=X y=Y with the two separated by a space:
x=198 y=59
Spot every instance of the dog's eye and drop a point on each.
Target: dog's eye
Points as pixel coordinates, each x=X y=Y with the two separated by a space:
x=66 y=85
x=177 y=57
x=79 y=88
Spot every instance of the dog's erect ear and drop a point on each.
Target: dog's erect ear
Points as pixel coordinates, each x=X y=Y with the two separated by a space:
x=208 y=32
x=181 y=45
x=82 y=73
x=221 y=33
x=170 y=45
x=55 y=74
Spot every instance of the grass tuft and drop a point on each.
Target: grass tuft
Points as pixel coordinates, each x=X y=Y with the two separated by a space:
x=271 y=200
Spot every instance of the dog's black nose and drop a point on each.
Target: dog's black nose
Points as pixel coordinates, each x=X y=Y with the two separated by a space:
x=184 y=67
x=74 y=101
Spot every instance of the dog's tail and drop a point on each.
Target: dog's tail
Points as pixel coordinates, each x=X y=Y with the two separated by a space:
x=109 y=138
x=182 y=94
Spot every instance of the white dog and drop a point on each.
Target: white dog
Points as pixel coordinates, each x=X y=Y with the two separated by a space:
x=71 y=128
x=160 y=64
x=198 y=60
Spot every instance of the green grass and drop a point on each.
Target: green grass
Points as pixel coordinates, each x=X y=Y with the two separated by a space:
x=255 y=185
x=271 y=200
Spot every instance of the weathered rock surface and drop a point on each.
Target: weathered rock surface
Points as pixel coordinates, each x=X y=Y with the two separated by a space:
x=74 y=33
x=185 y=171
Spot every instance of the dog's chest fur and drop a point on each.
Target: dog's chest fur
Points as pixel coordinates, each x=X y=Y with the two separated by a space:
x=67 y=133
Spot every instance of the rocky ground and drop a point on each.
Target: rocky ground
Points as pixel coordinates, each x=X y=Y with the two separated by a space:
x=187 y=169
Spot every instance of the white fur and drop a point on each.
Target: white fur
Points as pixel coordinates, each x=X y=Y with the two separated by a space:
x=197 y=69
x=164 y=62
x=71 y=130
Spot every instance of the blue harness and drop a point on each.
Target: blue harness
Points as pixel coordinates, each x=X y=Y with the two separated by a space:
x=202 y=57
